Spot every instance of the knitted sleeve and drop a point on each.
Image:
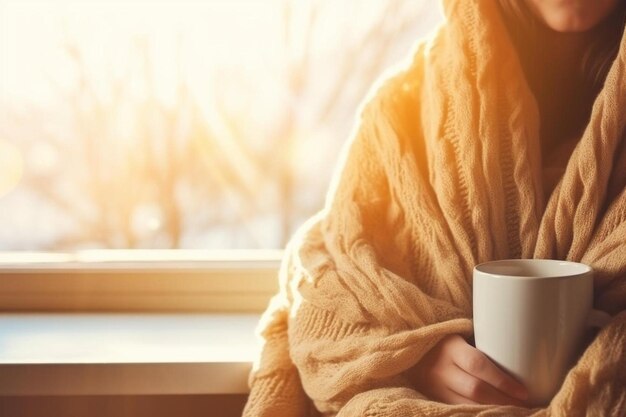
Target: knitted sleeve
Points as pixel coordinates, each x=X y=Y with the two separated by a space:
x=342 y=324
x=275 y=387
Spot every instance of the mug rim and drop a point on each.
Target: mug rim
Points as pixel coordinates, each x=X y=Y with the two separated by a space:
x=584 y=269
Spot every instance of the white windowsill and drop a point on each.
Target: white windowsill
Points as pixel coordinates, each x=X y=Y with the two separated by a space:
x=125 y=354
x=229 y=281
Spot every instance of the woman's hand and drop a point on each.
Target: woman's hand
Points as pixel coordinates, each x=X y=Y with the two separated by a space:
x=455 y=372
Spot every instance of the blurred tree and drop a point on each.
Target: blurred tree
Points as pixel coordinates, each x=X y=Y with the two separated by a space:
x=365 y=53
x=141 y=172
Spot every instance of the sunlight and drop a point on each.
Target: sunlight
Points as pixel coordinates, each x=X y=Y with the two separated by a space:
x=184 y=40
x=12 y=165
x=182 y=124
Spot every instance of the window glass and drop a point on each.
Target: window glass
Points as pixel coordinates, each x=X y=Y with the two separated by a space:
x=173 y=124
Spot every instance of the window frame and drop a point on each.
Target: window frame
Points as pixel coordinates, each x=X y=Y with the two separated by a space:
x=180 y=280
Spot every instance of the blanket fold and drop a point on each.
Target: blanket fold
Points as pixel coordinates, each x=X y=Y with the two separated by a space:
x=443 y=172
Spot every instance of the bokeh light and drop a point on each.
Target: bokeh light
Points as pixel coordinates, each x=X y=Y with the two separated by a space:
x=11 y=167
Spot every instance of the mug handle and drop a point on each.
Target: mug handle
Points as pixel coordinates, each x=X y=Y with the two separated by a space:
x=597 y=318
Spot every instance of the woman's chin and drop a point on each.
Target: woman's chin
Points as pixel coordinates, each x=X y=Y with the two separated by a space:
x=572 y=15
x=571 y=24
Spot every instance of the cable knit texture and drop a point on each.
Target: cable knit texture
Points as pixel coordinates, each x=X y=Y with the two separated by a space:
x=443 y=172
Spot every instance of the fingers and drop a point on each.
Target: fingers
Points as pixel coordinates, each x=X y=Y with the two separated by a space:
x=477 y=364
x=451 y=397
x=477 y=390
x=457 y=373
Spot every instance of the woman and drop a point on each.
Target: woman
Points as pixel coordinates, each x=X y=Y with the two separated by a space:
x=505 y=137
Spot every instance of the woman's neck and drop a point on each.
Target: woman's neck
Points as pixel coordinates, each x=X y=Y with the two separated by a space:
x=565 y=71
x=563 y=98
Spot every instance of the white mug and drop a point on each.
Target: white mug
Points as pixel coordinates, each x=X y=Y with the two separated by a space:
x=530 y=317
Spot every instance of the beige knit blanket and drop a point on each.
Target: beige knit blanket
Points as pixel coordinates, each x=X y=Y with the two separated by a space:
x=444 y=172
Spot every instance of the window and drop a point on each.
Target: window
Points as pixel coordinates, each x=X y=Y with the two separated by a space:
x=169 y=124
x=137 y=135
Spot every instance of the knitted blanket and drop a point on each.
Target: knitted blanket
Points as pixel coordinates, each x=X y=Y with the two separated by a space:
x=444 y=172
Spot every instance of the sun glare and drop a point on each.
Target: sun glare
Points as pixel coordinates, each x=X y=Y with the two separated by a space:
x=187 y=39
x=181 y=124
